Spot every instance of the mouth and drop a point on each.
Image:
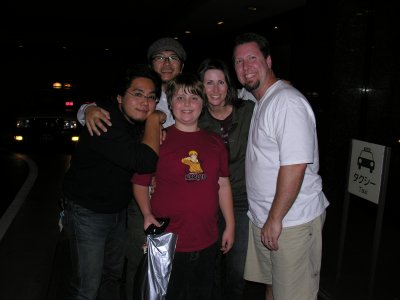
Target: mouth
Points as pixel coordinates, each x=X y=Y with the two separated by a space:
x=249 y=76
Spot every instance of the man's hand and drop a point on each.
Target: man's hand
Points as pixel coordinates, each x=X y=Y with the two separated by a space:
x=270 y=233
x=96 y=118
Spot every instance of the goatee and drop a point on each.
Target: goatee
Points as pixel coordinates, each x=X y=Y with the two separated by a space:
x=252 y=86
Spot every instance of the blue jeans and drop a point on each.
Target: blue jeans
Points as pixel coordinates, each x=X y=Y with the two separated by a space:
x=230 y=283
x=97 y=246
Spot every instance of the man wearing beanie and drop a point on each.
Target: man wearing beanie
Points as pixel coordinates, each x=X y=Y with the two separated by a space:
x=166 y=57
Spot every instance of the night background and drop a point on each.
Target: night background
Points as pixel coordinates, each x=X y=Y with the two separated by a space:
x=343 y=55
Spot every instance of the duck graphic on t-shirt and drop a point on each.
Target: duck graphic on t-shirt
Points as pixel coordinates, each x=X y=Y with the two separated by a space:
x=195 y=169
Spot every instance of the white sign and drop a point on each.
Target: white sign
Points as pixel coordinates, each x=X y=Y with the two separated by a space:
x=366 y=170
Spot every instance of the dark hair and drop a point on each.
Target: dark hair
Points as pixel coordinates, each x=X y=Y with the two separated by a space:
x=137 y=71
x=249 y=37
x=217 y=64
x=189 y=82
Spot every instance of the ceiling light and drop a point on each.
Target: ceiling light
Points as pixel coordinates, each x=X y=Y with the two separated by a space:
x=220 y=22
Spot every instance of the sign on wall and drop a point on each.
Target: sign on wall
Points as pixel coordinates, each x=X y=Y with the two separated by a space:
x=365 y=173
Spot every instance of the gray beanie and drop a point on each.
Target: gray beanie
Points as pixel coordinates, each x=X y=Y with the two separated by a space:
x=166 y=44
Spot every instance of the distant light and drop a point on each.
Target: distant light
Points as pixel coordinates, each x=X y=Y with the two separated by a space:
x=252 y=8
x=276 y=27
x=69 y=103
x=18 y=138
x=57 y=85
x=75 y=138
x=21 y=46
x=23 y=123
x=64 y=47
x=67 y=86
x=188 y=32
x=106 y=49
x=220 y=22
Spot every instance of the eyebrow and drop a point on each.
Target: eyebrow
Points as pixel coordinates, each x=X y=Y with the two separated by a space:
x=142 y=91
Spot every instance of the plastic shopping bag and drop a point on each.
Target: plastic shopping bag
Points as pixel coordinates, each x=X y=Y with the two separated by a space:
x=152 y=276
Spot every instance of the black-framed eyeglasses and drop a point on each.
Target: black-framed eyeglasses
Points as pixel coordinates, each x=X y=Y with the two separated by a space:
x=139 y=95
x=171 y=59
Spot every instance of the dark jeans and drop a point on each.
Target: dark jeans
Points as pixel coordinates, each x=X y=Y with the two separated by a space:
x=192 y=275
x=134 y=249
x=229 y=283
x=97 y=245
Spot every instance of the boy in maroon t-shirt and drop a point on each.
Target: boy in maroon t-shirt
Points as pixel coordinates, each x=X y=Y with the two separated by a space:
x=192 y=184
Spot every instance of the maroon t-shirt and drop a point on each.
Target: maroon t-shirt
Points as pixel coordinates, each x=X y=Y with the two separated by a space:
x=189 y=167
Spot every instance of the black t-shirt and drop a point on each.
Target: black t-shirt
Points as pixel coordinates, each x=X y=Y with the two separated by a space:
x=99 y=177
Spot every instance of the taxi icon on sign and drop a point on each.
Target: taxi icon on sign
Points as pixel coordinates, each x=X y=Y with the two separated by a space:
x=366 y=159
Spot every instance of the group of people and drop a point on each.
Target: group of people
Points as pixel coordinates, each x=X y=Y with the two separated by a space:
x=237 y=176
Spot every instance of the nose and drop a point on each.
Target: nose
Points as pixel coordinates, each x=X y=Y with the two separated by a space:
x=145 y=101
x=186 y=102
x=246 y=64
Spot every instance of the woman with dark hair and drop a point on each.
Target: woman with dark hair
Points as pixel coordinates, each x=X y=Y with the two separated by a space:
x=230 y=117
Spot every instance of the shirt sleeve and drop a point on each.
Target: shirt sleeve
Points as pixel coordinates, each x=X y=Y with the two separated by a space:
x=142 y=179
x=295 y=135
x=81 y=112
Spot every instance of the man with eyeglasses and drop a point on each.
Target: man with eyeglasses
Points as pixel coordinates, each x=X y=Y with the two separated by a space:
x=166 y=57
x=97 y=188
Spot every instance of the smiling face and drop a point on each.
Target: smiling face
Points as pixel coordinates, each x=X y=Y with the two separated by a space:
x=186 y=108
x=253 y=70
x=168 y=69
x=215 y=87
x=139 y=100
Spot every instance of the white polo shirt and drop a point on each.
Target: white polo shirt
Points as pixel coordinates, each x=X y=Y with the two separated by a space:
x=283 y=132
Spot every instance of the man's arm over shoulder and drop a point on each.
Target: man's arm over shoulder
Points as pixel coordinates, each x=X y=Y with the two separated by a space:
x=120 y=147
x=94 y=117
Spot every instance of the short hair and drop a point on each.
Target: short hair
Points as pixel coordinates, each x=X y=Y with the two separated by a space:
x=249 y=37
x=189 y=82
x=217 y=64
x=138 y=71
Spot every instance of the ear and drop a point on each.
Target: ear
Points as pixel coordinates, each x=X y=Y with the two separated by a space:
x=269 y=61
x=119 y=99
x=182 y=67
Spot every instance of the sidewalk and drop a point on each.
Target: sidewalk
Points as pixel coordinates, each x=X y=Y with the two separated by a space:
x=34 y=256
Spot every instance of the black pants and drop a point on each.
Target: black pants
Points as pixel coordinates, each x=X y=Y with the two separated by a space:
x=192 y=275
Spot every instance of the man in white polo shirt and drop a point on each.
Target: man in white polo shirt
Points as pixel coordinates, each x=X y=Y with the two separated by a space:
x=286 y=202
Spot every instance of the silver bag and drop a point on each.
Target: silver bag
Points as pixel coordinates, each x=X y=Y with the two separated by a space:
x=160 y=251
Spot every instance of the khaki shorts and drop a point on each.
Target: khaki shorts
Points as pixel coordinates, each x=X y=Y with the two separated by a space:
x=293 y=270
